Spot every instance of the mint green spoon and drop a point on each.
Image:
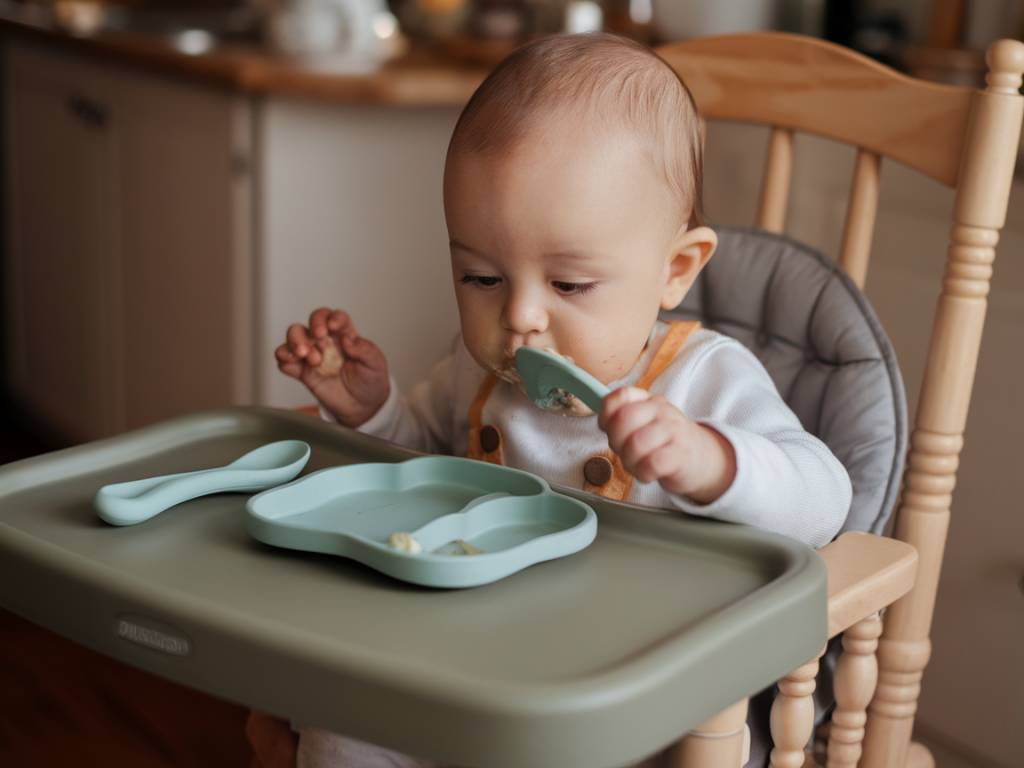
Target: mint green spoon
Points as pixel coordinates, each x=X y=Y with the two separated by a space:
x=139 y=500
x=547 y=377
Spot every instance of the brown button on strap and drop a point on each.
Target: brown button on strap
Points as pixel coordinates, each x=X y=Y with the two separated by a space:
x=489 y=439
x=597 y=470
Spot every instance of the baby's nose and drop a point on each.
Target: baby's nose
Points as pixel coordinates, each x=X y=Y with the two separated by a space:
x=524 y=313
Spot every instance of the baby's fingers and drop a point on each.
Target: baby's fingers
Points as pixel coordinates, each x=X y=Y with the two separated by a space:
x=616 y=401
x=662 y=462
x=287 y=362
x=298 y=341
x=364 y=352
x=644 y=441
x=335 y=321
x=340 y=324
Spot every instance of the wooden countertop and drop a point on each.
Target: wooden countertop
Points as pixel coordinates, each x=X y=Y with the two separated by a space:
x=419 y=79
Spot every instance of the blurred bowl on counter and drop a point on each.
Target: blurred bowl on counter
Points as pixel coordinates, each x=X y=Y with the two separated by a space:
x=79 y=17
x=682 y=19
x=350 y=35
x=432 y=20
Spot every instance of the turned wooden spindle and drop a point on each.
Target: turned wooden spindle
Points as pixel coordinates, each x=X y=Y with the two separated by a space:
x=792 y=718
x=983 y=190
x=854 y=685
x=716 y=743
x=860 y=217
x=778 y=172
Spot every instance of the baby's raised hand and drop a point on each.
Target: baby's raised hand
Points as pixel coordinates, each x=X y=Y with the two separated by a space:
x=345 y=372
x=656 y=441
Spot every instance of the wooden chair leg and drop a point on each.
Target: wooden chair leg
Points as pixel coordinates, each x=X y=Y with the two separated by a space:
x=918 y=756
x=792 y=718
x=855 y=680
x=716 y=743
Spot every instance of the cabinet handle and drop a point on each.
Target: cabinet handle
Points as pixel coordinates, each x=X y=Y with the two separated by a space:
x=88 y=111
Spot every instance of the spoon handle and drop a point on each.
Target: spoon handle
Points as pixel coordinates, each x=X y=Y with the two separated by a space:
x=139 y=500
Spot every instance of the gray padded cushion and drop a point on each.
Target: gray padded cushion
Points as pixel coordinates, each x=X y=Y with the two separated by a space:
x=823 y=345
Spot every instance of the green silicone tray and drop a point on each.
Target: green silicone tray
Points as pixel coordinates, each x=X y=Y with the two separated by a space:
x=511 y=516
x=588 y=661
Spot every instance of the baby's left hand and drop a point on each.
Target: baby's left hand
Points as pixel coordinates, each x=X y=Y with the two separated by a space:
x=656 y=441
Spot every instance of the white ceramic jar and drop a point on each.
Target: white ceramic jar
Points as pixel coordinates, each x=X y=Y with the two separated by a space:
x=681 y=19
x=344 y=30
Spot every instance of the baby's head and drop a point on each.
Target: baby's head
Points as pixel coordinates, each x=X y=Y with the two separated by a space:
x=572 y=196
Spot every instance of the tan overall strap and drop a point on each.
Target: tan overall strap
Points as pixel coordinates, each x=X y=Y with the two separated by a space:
x=477 y=438
x=621 y=482
x=678 y=332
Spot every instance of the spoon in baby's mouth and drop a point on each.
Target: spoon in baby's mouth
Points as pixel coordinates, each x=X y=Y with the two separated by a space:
x=546 y=374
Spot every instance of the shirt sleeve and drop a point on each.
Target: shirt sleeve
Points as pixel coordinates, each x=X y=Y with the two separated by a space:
x=422 y=420
x=787 y=480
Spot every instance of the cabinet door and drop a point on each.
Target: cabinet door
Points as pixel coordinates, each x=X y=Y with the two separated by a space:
x=59 y=280
x=184 y=243
x=129 y=294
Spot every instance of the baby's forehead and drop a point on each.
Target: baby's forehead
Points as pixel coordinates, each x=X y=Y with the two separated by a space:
x=581 y=163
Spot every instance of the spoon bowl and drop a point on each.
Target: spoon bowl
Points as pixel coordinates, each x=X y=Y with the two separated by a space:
x=546 y=375
x=283 y=453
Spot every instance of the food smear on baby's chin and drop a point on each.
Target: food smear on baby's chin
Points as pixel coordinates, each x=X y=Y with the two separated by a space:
x=508 y=373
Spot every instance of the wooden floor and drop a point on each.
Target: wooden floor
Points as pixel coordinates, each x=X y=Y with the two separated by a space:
x=63 y=705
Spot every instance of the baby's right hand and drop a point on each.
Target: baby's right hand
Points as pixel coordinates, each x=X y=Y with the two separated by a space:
x=345 y=372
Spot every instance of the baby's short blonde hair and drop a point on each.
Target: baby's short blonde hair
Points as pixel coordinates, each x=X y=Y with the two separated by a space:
x=593 y=77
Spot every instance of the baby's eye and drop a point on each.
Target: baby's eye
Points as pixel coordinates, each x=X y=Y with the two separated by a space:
x=573 y=289
x=484 y=281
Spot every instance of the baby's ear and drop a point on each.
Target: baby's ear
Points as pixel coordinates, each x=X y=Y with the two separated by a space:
x=690 y=253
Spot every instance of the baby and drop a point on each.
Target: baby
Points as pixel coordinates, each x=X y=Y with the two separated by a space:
x=572 y=198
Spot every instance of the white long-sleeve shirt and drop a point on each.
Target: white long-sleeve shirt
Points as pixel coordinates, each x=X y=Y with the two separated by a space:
x=786 y=481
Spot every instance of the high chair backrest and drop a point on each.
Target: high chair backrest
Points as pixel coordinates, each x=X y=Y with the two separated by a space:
x=963 y=138
x=824 y=348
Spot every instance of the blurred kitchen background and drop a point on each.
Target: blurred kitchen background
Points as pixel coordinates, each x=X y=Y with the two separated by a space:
x=185 y=178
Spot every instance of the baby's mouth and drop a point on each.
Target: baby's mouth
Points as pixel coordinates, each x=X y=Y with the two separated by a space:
x=507 y=372
x=506 y=369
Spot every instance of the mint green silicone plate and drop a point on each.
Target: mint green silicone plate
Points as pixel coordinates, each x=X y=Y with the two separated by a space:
x=473 y=522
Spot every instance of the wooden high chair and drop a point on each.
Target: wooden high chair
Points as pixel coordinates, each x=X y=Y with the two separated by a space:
x=963 y=138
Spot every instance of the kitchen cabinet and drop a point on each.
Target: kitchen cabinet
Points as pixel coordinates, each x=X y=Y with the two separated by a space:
x=128 y=266
x=60 y=252
x=163 y=234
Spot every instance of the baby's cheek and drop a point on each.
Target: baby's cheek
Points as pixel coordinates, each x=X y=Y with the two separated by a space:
x=483 y=348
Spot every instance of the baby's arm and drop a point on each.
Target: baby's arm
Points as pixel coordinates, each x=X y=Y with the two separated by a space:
x=783 y=479
x=423 y=420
